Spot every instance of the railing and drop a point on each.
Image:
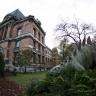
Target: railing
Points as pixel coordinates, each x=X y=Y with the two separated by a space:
x=16 y=49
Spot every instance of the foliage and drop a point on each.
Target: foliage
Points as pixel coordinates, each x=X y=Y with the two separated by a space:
x=67 y=84
x=62 y=47
x=54 y=50
x=94 y=40
x=2 y=64
x=67 y=51
x=23 y=58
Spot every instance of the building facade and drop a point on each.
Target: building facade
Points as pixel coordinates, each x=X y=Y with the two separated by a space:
x=55 y=57
x=18 y=32
x=48 y=56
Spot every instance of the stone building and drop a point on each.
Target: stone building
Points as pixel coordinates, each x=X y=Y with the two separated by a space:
x=18 y=32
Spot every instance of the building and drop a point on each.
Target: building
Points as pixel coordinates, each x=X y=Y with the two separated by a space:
x=48 y=56
x=55 y=57
x=18 y=32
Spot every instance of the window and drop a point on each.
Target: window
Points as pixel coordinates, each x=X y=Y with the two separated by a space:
x=42 y=59
x=39 y=36
x=34 y=32
x=5 y=32
x=39 y=47
x=19 y=32
x=42 y=40
x=15 y=56
x=17 y=43
x=46 y=51
x=2 y=33
x=39 y=59
x=34 y=44
x=46 y=60
x=43 y=49
x=18 y=35
x=34 y=57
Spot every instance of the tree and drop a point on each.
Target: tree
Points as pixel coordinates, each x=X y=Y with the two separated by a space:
x=24 y=58
x=2 y=64
x=94 y=40
x=67 y=51
x=54 y=50
x=62 y=45
x=76 y=31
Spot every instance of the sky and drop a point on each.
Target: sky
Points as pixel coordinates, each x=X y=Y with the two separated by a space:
x=50 y=12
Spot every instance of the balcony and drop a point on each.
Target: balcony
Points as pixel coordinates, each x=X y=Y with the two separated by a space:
x=34 y=49
x=16 y=49
x=43 y=53
x=39 y=51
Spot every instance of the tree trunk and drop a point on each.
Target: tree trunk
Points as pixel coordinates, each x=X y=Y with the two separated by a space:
x=25 y=69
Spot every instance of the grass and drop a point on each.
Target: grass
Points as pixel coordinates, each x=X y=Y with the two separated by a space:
x=24 y=79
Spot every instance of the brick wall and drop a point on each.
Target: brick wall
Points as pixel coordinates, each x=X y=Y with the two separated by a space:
x=26 y=42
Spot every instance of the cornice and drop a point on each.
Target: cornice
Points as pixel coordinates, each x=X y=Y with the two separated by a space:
x=21 y=37
x=31 y=19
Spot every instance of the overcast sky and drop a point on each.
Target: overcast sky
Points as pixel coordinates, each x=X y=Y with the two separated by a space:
x=49 y=12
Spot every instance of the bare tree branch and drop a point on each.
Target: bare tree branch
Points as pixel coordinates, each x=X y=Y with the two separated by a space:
x=75 y=31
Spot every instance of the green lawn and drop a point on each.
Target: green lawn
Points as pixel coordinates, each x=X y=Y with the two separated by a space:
x=24 y=79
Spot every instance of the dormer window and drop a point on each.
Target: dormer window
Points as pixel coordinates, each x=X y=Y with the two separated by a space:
x=7 y=17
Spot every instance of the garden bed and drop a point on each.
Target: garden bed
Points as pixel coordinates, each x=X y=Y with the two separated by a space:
x=9 y=88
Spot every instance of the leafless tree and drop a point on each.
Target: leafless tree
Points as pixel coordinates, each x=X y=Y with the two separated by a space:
x=75 y=31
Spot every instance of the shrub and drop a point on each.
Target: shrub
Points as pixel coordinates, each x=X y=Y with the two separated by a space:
x=68 y=84
x=1 y=65
x=37 y=87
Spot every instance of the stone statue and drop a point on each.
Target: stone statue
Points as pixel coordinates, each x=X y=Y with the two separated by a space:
x=82 y=59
